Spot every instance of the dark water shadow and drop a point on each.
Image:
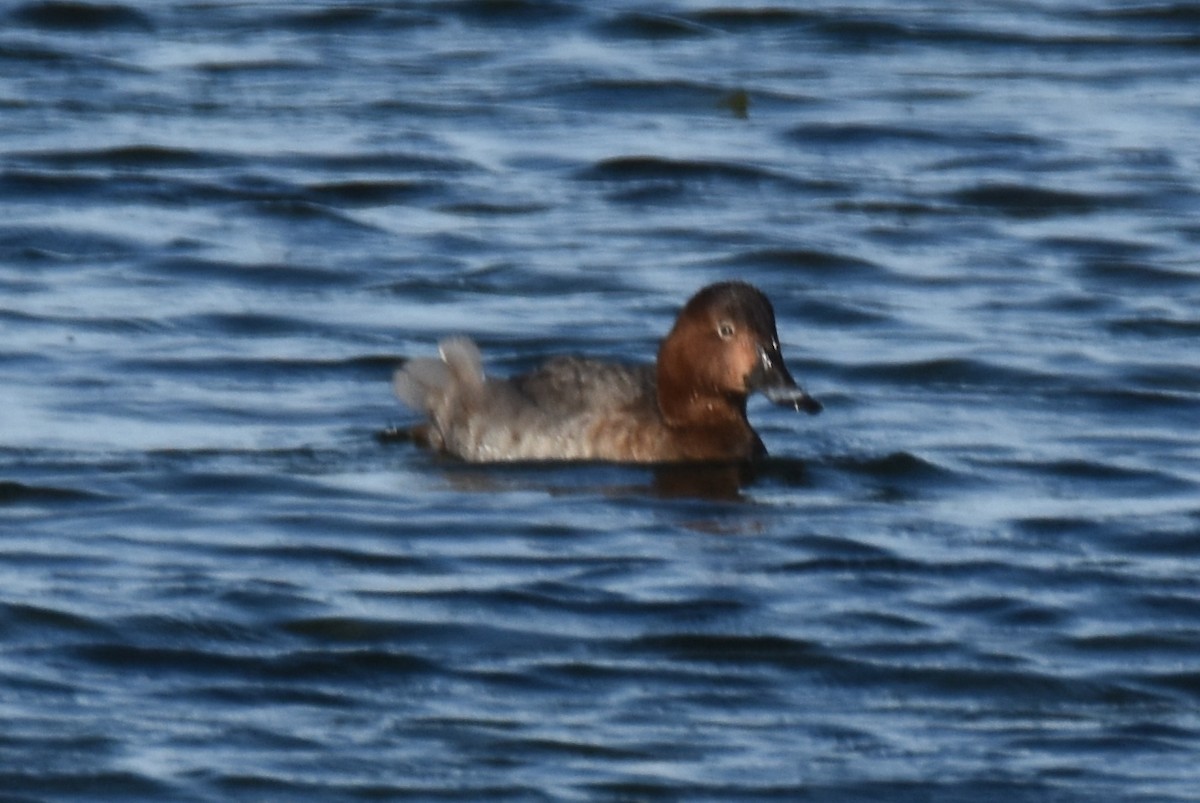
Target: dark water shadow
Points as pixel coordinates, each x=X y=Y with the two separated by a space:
x=713 y=483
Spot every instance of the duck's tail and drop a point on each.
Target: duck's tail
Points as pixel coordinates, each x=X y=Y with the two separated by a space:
x=421 y=383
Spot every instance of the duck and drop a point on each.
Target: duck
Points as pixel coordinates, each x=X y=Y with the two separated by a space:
x=689 y=406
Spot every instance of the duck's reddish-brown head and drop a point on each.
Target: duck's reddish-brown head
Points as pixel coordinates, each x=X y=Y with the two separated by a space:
x=724 y=346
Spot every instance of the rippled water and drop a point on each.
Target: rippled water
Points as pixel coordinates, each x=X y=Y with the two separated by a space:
x=974 y=577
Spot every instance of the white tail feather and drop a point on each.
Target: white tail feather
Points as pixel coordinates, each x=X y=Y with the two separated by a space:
x=465 y=362
x=422 y=382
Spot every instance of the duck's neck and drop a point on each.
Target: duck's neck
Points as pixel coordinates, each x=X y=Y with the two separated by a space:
x=685 y=400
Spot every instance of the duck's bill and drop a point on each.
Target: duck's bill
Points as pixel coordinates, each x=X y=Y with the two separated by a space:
x=795 y=397
x=771 y=376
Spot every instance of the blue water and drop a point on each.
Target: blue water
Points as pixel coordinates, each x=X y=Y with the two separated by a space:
x=975 y=577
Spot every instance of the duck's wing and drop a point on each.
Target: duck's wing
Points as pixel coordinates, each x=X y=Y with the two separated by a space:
x=570 y=386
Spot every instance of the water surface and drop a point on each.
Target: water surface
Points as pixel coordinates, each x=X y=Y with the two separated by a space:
x=974 y=577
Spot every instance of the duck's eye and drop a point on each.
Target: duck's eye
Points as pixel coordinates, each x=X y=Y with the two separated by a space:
x=725 y=330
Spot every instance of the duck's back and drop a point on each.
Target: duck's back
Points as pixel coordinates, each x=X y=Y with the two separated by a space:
x=563 y=387
x=569 y=408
